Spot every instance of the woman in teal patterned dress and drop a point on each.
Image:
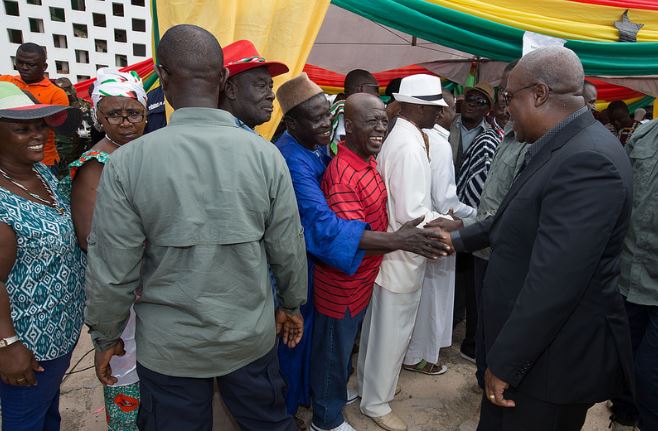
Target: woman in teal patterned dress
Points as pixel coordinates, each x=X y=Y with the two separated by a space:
x=120 y=104
x=41 y=266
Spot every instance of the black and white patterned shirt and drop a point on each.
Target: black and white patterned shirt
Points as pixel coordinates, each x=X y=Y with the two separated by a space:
x=475 y=167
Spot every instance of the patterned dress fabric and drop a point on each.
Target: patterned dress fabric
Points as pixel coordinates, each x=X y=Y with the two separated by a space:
x=46 y=283
x=121 y=407
x=66 y=183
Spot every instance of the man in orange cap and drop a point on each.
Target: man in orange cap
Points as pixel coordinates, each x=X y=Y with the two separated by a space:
x=248 y=92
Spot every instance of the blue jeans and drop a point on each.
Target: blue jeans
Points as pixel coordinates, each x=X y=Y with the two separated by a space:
x=35 y=408
x=331 y=350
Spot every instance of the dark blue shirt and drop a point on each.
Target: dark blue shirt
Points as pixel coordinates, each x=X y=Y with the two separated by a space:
x=330 y=239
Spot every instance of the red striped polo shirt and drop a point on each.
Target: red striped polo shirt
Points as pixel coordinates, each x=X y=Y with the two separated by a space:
x=355 y=191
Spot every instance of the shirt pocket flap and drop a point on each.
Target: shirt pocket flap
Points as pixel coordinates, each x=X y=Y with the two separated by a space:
x=643 y=152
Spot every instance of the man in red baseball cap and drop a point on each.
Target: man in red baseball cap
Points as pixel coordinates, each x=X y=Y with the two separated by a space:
x=248 y=91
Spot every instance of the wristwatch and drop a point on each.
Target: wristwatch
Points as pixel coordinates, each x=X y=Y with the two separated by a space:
x=4 y=342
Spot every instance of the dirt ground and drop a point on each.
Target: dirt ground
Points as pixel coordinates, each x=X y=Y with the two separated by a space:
x=449 y=402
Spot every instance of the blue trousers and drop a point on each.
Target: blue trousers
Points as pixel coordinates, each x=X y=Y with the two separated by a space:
x=35 y=408
x=254 y=394
x=333 y=340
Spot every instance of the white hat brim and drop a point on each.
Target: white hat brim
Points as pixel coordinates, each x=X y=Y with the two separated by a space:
x=414 y=100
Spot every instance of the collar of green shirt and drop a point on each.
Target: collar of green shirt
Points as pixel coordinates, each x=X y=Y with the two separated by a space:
x=202 y=116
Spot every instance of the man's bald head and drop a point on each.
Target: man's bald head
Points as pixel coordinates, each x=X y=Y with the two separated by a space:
x=366 y=124
x=557 y=67
x=542 y=90
x=358 y=103
x=191 y=51
x=191 y=66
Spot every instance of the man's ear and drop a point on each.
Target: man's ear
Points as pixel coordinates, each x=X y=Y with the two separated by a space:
x=163 y=76
x=45 y=66
x=349 y=126
x=541 y=94
x=223 y=76
x=291 y=123
x=230 y=90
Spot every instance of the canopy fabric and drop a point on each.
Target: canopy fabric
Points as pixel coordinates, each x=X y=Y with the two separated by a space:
x=611 y=92
x=447 y=23
x=566 y=19
x=332 y=82
x=635 y=4
x=347 y=41
x=281 y=30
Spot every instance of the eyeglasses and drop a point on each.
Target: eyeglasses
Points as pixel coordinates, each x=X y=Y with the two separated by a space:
x=508 y=95
x=116 y=118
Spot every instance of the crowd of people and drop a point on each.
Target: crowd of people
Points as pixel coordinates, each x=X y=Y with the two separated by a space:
x=198 y=253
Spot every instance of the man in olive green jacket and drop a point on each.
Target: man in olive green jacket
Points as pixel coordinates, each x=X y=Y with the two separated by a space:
x=193 y=213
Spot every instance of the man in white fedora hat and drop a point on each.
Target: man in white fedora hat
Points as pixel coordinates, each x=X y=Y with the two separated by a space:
x=404 y=165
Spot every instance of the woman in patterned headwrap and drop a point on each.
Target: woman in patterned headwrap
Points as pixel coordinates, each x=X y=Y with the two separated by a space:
x=119 y=102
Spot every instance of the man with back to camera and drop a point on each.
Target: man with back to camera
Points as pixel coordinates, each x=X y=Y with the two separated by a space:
x=200 y=248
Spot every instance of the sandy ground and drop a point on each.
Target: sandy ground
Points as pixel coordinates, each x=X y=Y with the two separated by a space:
x=443 y=403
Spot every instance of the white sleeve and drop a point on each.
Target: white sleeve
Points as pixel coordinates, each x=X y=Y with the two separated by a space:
x=408 y=189
x=444 y=188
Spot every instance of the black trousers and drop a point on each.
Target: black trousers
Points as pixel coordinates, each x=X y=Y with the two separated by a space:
x=479 y=271
x=254 y=394
x=531 y=414
x=465 y=298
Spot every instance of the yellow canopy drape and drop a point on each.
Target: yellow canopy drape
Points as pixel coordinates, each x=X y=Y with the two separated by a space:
x=281 y=30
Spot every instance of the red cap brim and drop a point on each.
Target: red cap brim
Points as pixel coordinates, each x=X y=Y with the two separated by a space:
x=275 y=68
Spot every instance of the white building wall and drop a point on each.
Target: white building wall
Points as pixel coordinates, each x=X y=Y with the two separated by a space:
x=76 y=70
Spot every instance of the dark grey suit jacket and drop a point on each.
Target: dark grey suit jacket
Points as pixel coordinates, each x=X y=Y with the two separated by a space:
x=555 y=324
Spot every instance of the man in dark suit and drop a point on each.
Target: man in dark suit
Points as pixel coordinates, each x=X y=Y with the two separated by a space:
x=556 y=333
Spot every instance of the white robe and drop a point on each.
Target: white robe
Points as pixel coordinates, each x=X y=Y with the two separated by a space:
x=433 y=328
x=404 y=166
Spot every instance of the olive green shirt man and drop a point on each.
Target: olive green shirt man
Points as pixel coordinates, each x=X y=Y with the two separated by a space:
x=638 y=280
x=192 y=214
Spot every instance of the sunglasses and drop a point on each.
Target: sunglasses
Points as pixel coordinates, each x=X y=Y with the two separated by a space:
x=476 y=101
